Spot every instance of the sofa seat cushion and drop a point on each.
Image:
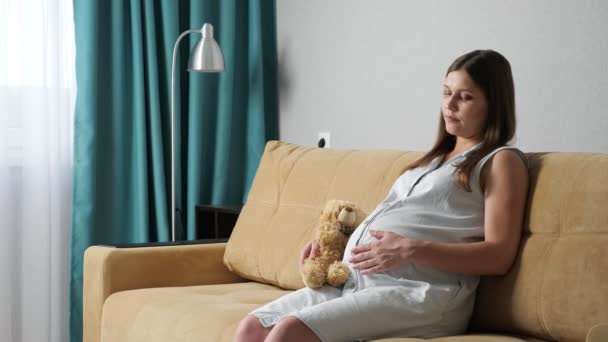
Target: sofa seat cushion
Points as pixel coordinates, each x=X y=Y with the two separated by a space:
x=207 y=313
x=194 y=313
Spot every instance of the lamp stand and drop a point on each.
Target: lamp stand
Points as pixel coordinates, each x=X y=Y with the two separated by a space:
x=173 y=209
x=205 y=57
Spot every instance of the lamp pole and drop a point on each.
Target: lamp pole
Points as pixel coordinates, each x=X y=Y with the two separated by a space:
x=206 y=56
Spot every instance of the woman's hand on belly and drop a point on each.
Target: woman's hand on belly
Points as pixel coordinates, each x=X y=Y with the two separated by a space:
x=391 y=251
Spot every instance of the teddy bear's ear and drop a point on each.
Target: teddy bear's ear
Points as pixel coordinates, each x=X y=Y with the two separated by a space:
x=330 y=204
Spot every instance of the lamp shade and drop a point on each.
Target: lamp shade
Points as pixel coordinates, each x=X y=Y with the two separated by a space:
x=206 y=55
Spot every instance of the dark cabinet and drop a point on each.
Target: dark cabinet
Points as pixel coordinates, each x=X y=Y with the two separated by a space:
x=216 y=222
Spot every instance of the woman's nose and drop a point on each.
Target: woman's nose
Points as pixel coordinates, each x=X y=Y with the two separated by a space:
x=451 y=103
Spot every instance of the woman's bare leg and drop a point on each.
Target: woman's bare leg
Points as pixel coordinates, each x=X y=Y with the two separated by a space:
x=291 y=329
x=250 y=329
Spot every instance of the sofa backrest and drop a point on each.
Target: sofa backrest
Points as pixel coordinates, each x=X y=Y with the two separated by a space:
x=287 y=196
x=557 y=288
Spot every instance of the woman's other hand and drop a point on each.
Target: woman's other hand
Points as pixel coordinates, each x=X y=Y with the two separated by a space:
x=311 y=250
x=389 y=252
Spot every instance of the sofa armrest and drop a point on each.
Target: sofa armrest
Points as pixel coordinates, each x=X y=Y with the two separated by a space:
x=598 y=333
x=109 y=270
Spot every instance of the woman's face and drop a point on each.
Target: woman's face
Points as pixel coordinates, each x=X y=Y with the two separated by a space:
x=464 y=106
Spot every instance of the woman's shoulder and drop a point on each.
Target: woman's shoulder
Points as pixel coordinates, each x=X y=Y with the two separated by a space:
x=507 y=161
x=508 y=154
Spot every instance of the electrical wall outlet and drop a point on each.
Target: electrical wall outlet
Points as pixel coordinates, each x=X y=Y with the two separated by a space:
x=324 y=139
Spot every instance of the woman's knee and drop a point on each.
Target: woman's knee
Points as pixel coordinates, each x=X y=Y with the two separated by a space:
x=250 y=329
x=292 y=329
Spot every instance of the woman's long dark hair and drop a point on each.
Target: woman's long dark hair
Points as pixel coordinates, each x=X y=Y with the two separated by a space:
x=492 y=73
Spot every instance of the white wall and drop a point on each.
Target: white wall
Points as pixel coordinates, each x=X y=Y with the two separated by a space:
x=371 y=72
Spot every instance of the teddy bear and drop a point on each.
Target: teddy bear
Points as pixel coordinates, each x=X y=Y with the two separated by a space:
x=337 y=222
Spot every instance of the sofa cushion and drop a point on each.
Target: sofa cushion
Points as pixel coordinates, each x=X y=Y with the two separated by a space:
x=291 y=186
x=558 y=286
x=204 y=313
x=182 y=313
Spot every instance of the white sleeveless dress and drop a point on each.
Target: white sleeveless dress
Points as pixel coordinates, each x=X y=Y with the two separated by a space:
x=425 y=203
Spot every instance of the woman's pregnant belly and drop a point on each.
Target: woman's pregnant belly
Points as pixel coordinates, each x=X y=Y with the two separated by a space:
x=416 y=226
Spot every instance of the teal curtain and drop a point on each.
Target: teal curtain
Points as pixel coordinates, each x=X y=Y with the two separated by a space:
x=122 y=166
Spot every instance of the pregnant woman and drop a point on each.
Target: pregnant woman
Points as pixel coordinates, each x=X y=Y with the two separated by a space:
x=453 y=215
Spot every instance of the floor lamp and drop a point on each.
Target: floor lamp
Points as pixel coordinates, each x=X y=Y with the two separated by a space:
x=205 y=57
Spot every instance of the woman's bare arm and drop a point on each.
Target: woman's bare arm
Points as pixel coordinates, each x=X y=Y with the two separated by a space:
x=506 y=188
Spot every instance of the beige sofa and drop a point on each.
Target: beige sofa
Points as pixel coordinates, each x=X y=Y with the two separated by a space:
x=557 y=289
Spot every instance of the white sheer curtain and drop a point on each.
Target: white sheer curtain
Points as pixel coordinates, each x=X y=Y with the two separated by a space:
x=37 y=91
